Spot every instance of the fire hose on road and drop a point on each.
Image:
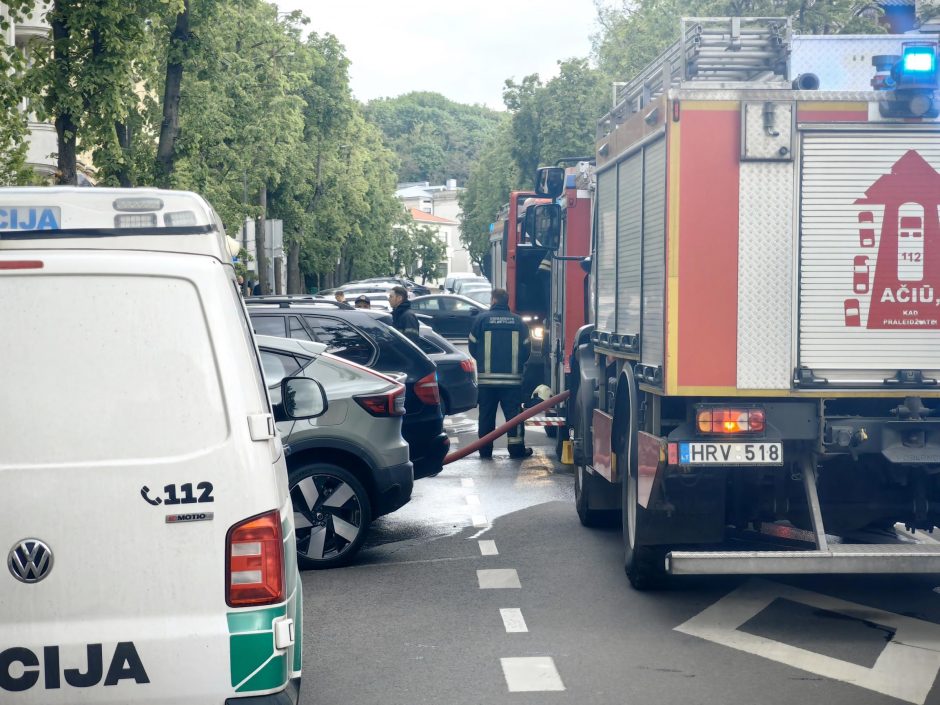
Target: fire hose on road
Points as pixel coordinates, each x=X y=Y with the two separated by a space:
x=500 y=430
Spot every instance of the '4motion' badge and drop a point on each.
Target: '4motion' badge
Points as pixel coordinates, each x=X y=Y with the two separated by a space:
x=30 y=561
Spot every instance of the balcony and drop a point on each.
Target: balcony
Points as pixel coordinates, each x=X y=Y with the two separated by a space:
x=41 y=153
x=34 y=26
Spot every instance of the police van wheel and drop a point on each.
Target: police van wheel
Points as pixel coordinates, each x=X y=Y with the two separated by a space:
x=331 y=515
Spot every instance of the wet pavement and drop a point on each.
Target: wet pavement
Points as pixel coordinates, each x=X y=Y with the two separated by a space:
x=485 y=589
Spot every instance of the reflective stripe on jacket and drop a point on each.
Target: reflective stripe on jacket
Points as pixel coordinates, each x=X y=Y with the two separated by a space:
x=499 y=342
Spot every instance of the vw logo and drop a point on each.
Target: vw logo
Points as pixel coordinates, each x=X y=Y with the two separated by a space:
x=30 y=561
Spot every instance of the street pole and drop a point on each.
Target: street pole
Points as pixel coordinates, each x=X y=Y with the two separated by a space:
x=261 y=257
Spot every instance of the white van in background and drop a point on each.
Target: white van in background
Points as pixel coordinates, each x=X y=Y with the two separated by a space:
x=147 y=534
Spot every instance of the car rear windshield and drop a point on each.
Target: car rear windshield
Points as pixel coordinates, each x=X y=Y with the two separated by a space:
x=105 y=368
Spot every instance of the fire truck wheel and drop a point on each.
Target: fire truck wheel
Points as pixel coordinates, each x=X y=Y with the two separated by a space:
x=590 y=518
x=644 y=564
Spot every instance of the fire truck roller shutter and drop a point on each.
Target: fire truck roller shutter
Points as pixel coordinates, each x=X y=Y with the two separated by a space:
x=850 y=328
x=629 y=243
x=605 y=266
x=652 y=341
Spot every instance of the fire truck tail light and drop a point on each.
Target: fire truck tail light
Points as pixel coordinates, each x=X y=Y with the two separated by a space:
x=254 y=562
x=725 y=421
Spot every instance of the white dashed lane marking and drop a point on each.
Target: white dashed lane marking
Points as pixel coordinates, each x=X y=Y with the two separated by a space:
x=473 y=500
x=479 y=521
x=498 y=578
x=488 y=548
x=531 y=674
x=513 y=620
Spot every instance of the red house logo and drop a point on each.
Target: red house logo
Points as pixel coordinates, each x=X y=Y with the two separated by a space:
x=903 y=280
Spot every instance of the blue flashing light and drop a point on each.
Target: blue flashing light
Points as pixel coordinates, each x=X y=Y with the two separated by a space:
x=492 y=227
x=918 y=60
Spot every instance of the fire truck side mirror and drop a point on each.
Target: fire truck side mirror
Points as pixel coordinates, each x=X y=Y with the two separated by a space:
x=550 y=182
x=543 y=225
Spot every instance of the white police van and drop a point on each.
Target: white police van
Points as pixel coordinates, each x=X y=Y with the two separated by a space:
x=146 y=529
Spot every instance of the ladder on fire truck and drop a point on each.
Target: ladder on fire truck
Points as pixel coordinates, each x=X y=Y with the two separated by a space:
x=723 y=50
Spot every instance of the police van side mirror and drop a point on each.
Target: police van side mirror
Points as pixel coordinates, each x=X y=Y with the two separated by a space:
x=303 y=398
x=550 y=182
x=543 y=224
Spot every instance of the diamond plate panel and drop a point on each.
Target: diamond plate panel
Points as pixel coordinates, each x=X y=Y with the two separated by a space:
x=759 y=142
x=765 y=275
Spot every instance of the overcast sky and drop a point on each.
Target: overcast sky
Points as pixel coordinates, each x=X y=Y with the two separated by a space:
x=464 y=50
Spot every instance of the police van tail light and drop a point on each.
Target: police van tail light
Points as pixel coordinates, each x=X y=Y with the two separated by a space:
x=389 y=404
x=720 y=420
x=22 y=264
x=254 y=562
x=427 y=391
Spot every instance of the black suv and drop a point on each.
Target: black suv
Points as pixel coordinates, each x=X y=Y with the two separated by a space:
x=357 y=336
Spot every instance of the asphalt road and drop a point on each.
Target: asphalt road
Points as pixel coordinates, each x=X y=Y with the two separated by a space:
x=486 y=589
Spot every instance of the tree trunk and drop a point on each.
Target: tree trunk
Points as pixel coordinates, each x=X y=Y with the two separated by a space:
x=124 y=141
x=295 y=283
x=261 y=257
x=170 y=127
x=65 y=127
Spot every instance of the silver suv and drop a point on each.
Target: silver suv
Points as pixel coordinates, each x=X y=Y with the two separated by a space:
x=349 y=465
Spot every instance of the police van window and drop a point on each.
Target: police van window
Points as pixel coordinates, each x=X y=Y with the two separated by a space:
x=341 y=339
x=297 y=329
x=277 y=366
x=151 y=391
x=268 y=325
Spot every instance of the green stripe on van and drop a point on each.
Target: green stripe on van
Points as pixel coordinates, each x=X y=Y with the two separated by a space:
x=254 y=620
x=273 y=675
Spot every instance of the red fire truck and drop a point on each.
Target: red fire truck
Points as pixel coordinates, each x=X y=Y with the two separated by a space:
x=536 y=249
x=755 y=391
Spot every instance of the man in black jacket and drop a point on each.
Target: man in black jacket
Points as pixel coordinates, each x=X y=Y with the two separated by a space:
x=499 y=342
x=403 y=318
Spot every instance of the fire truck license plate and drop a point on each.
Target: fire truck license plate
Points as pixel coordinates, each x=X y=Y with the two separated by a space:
x=731 y=454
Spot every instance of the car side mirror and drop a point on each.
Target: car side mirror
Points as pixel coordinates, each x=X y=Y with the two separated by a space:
x=543 y=224
x=550 y=182
x=303 y=398
x=474 y=311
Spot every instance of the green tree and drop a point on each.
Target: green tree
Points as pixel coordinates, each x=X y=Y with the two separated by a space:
x=435 y=138
x=492 y=177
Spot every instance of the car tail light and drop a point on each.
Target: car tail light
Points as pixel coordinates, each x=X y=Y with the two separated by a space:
x=254 y=564
x=389 y=404
x=22 y=264
x=728 y=420
x=468 y=365
x=427 y=391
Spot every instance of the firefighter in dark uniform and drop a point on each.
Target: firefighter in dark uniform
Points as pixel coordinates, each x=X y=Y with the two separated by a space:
x=499 y=342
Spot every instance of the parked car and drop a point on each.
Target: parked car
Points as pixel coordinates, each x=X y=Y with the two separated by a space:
x=482 y=296
x=413 y=287
x=356 y=335
x=456 y=370
x=451 y=279
x=476 y=283
x=448 y=314
x=346 y=467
